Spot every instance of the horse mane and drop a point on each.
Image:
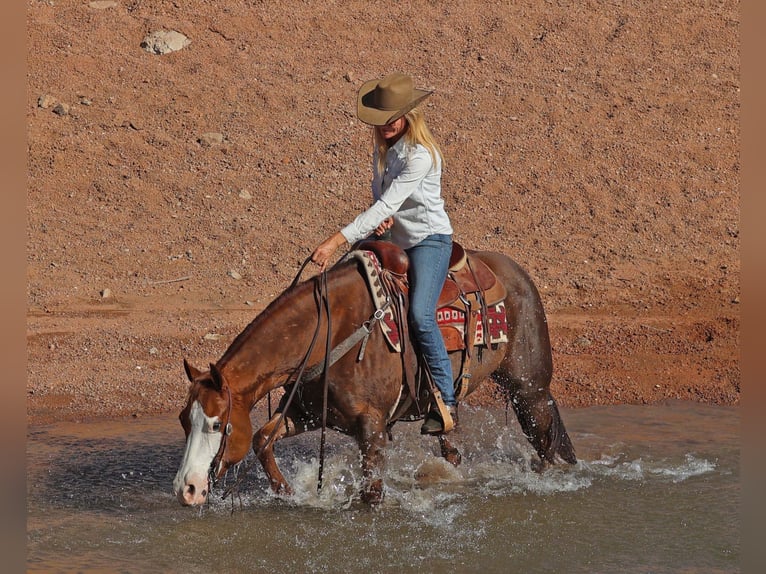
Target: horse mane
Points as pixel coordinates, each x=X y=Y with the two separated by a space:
x=282 y=300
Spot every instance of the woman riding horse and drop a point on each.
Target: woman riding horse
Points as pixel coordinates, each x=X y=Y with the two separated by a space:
x=406 y=189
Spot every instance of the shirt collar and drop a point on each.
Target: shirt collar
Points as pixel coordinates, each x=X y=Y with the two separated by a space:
x=399 y=147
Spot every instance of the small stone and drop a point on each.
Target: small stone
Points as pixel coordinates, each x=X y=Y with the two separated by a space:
x=164 y=42
x=61 y=109
x=103 y=4
x=235 y=275
x=210 y=139
x=106 y=293
x=212 y=336
x=45 y=101
x=244 y=194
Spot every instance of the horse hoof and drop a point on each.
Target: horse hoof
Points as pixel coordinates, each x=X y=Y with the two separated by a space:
x=538 y=465
x=282 y=489
x=374 y=494
x=454 y=458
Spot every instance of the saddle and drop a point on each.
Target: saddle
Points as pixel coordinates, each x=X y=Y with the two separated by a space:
x=467 y=275
x=470 y=308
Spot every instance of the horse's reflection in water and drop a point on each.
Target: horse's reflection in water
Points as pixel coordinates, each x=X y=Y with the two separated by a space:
x=363 y=397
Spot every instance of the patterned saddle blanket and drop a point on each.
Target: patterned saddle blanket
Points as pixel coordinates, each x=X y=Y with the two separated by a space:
x=471 y=308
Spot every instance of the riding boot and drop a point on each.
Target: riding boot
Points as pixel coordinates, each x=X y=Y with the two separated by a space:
x=435 y=424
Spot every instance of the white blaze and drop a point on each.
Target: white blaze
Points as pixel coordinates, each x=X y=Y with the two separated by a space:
x=202 y=445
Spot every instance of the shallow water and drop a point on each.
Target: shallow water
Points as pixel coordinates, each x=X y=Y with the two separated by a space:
x=656 y=490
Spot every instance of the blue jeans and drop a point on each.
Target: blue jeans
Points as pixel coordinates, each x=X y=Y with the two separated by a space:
x=429 y=263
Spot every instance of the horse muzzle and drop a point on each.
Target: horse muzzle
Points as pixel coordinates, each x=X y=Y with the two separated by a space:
x=194 y=491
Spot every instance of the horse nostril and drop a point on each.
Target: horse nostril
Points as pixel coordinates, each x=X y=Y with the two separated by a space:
x=204 y=493
x=190 y=489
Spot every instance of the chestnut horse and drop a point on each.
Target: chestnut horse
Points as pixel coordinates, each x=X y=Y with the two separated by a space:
x=362 y=396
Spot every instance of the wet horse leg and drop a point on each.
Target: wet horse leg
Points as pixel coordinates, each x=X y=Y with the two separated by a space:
x=371 y=437
x=263 y=446
x=450 y=453
x=538 y=415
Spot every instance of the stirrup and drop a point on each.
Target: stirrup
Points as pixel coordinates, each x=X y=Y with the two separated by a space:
x=443 y=412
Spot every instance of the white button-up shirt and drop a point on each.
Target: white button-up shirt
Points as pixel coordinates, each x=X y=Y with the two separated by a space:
x=409 y=189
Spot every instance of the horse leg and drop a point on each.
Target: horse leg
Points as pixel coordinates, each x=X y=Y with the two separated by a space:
x=541 y=422
x=526 y=370
x=371 y=437
x=450 y=453
x=263 y=446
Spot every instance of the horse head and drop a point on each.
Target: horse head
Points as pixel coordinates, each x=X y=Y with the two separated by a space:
x=218 y=434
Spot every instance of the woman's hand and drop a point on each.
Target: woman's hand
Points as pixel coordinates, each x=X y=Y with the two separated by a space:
x=387 y=224
x=325 y=250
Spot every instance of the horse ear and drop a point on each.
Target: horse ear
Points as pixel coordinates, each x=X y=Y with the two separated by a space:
x=191 y=372
x=216 y=376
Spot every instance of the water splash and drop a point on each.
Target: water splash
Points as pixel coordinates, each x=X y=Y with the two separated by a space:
x=616 y=466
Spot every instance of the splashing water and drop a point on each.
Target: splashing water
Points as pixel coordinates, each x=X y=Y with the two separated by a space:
x=640 y=499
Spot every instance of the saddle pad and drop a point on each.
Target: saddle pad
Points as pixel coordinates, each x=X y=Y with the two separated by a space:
x=372 y=271
x=448 y=318
x=451 y=318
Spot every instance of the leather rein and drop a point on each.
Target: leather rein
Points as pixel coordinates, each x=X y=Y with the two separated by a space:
x=331 y=356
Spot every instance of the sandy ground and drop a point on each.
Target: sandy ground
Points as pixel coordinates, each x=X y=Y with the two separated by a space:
x=172 y=196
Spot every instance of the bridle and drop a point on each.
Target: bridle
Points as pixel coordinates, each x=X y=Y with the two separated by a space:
x=218 y=458
x=298 y=378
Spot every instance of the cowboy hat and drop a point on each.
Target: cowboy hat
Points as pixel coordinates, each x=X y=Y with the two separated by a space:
x=382 y=101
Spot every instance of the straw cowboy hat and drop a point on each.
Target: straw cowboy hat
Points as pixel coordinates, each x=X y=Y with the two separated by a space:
x=382 y=101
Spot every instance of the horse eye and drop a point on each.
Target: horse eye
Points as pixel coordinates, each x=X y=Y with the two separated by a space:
x=217 y=426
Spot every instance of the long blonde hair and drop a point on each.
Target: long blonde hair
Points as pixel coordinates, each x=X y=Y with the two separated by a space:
x=417 y=133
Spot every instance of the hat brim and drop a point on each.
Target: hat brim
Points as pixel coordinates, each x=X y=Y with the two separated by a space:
x=377 y=117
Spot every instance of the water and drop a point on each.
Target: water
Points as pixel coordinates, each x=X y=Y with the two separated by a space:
x=656 y=490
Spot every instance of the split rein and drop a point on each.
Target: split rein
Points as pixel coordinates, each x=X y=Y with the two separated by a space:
x=331 y=356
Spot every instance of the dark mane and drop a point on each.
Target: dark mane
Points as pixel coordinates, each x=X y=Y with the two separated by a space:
x=277 y=305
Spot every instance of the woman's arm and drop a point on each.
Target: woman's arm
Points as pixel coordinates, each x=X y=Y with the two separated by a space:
x=325 y=250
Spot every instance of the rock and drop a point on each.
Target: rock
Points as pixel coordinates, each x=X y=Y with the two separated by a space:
x=210 y=139
x=45 y=101
x=103 y=4
x=61 y=109
x=106 y=293
x=235 y=275
x=164 y=42
x=244 y=194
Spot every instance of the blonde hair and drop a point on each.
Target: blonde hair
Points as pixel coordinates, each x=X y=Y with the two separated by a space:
x=417 y=133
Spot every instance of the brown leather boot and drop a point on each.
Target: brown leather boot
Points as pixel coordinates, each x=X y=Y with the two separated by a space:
x=434 y=424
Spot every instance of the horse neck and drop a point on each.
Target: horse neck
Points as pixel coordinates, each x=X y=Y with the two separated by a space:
x=272 y=346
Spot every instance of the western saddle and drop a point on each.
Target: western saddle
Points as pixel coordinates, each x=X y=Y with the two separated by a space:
x=470 y=290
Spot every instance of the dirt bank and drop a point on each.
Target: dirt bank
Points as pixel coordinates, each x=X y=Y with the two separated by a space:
x=597 y=144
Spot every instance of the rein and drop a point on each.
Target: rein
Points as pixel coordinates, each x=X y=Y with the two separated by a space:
x=321 y=290
x=331 y=356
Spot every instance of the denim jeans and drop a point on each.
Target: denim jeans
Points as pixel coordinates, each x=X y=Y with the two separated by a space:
x=429 y=263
